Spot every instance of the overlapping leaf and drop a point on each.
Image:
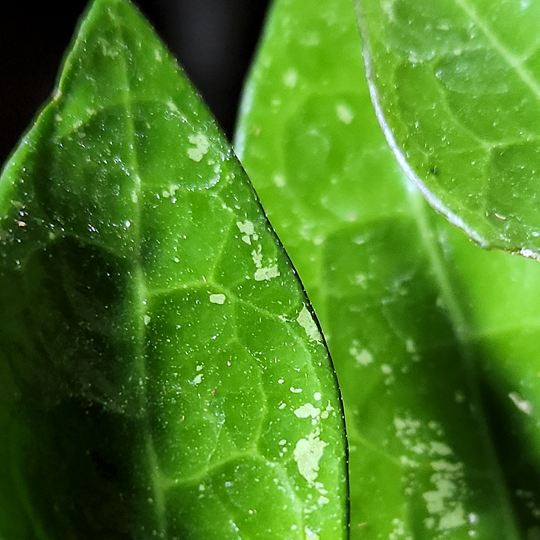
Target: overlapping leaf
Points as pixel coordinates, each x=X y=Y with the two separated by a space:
x=457 y=84
x=435 y=341
x=161 y=374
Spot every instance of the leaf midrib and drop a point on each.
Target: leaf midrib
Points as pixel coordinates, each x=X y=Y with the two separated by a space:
x=140 y=300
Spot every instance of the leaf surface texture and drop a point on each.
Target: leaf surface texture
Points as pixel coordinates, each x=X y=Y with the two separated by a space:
x=162 y=375
x=457 y=88
x=434 y=340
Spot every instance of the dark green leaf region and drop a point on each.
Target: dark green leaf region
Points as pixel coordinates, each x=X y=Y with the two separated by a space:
x=161 y=373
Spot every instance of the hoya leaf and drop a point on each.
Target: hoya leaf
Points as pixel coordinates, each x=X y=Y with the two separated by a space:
x=435 y=351
x=457 y=88
x=161 y=372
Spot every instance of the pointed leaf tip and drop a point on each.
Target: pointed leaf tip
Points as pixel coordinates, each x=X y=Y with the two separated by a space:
x=151 y=360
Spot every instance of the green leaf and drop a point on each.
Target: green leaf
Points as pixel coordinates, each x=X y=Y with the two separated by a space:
x=458 y=92
x=434 y=340
x=161 y=373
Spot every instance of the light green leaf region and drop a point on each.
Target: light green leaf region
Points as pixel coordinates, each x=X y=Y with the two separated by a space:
x=435 y=341
x=161 y=374
x=457 y=84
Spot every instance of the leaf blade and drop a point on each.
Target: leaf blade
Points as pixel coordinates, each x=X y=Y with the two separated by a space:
x=145 y=379
x=461 y=112
x=410 y=335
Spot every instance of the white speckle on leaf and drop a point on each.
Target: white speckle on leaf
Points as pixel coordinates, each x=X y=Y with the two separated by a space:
x=279 y=180
x=444 y=502
x=522 y=404
x=344 y=113
x=264 y=274
x=108 y=49
x=362 y=356
x=453 y=519
x=399 y=530
x=308 y=324
x=407 y=462
x=410 y=346
x=310 y=535
x=326 y=413
x=147 y=320
x=435 y=499
x=218 y=299
x=361 y=239
x=406 y=426
x=246 y=227
x=317 y=396
x=172 y=107
x=201 y=146
x=323 y=500
x=197 y=380
x=440 y=449
x=307 y=411
x=360 y=279
x=307 y=454
x=256 y=255
x=295 y=390
x=290 y=78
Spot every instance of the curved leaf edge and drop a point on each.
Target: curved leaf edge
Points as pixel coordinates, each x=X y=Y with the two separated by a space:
x=39 y=124
x=457 y=219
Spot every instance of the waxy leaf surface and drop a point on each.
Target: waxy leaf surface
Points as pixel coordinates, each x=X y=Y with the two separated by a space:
x=161 y=374
x=457 y=87
x=435 y=341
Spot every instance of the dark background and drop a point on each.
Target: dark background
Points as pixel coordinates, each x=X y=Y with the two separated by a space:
x=213 y=40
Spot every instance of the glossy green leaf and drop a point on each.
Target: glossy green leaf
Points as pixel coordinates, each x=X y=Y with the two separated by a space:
x=434 y=340
x=457 y=86
x=161 y=374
